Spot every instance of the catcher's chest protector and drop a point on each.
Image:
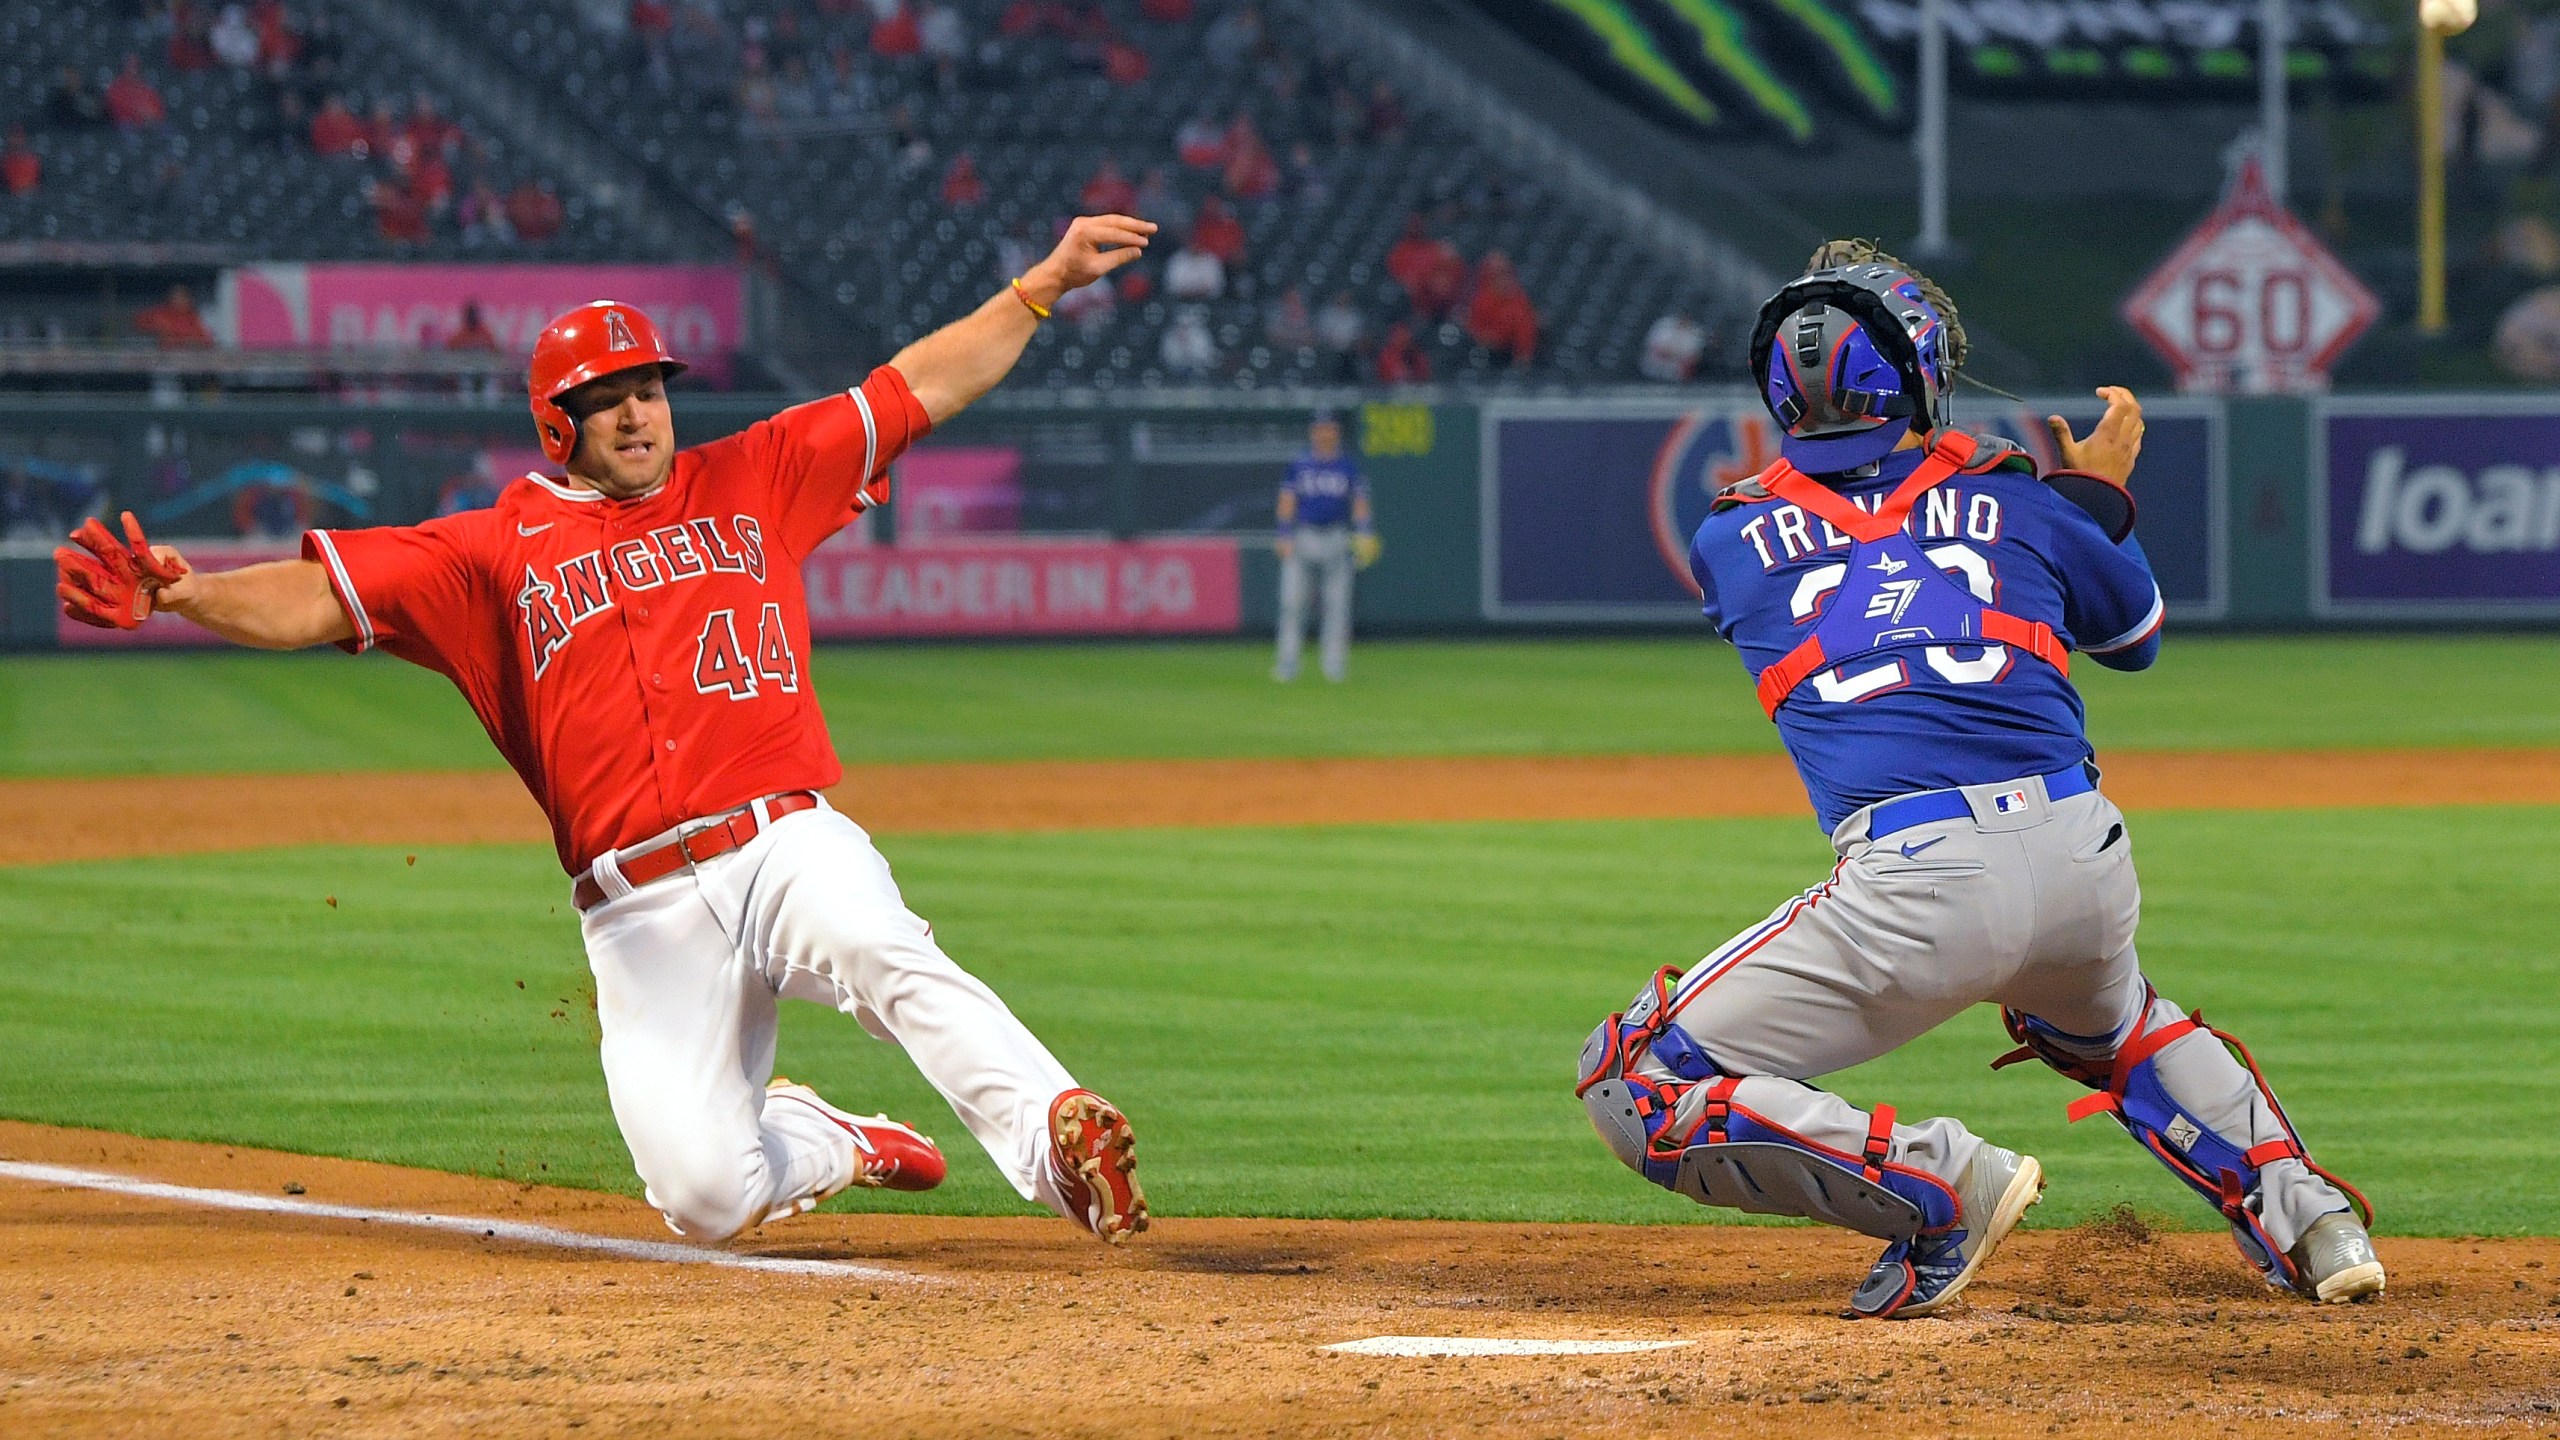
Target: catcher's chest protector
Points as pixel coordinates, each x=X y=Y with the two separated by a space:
x=1890 y=605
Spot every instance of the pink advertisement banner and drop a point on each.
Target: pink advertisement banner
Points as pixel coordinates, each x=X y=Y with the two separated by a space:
x=1025 y=587
x=700 y=308
x=862 y=591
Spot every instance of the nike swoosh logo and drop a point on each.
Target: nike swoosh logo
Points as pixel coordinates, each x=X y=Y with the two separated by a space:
x=535 y=529
x=1912 y=852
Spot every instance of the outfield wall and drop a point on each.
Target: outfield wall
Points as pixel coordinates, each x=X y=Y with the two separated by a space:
x=1054 y=516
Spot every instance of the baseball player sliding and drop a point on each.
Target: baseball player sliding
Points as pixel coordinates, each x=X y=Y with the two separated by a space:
x=633 y=636
x=1908 y=597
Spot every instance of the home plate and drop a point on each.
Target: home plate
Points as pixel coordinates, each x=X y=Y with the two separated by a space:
x=1426 y=1345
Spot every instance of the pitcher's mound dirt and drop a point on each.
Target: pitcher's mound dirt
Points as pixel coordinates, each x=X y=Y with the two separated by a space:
x=132 y=1317
x=148 y=815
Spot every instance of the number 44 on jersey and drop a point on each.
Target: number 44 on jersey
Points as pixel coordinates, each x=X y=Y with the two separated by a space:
x=722 y=666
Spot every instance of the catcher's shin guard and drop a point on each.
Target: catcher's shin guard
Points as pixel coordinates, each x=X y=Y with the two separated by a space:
x=2129 y=1086
x=1667 y=1114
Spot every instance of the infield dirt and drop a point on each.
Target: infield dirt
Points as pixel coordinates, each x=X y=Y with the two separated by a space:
x=148 y=815
x=123 y=1316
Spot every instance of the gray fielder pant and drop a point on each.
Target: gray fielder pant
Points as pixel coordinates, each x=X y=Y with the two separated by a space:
x=1325 y=549
x=2034 y=909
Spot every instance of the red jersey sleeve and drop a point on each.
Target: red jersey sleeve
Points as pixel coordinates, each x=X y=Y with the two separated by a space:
x=412 y=589
x=830 y=458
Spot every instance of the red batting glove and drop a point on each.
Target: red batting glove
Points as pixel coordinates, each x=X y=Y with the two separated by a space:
x=156 y=572
x=109 y=583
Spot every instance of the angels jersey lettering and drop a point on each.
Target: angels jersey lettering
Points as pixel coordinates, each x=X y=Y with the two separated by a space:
x=639 y=662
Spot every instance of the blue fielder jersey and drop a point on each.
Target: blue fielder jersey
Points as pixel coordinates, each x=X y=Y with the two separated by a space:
x=1325 y=488
x=2013 y=542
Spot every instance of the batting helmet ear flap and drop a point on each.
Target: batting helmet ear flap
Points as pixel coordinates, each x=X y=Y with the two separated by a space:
x=1866 y=293
x=557 y=428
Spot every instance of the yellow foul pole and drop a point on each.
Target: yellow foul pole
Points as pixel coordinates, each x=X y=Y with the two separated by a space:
x=2431 y=319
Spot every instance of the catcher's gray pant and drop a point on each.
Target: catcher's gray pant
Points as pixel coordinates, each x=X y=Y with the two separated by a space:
x=2034 y=909
x=1325 y=549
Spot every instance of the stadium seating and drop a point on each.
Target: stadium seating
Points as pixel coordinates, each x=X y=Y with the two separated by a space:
x=843 y=181
x=228 y=171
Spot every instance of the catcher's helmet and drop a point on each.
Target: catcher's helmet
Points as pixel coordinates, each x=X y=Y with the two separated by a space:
x=1850 y=360
x=588 y=343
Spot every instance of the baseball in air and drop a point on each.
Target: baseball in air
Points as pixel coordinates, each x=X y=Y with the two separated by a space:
x=2448 y=17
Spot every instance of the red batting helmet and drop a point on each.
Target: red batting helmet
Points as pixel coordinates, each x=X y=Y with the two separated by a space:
x=588 y=343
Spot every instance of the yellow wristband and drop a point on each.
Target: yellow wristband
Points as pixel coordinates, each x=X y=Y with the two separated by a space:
x=1034 y=306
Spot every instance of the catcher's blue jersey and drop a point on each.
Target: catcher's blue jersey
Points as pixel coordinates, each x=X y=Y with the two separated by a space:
x=1769 y=569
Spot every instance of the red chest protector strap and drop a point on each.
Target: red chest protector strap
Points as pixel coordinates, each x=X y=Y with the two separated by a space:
x=1947 y=458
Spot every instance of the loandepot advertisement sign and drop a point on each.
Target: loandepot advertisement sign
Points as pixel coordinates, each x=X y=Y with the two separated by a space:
x=1588 y=506
x=2437 y=508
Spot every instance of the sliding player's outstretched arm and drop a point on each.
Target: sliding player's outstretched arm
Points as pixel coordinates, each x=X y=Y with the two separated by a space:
x=963 y=360
x=116 y=584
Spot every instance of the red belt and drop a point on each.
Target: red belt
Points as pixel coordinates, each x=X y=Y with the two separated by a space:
x=722 y=835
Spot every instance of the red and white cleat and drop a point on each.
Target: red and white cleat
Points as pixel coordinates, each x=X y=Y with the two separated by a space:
x=886 y=1154
x=1094 y=1158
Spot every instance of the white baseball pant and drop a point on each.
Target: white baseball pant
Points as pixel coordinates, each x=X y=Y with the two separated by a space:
x=687 y=972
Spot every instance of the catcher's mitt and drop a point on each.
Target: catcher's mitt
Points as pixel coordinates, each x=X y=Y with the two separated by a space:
x=1832 y=254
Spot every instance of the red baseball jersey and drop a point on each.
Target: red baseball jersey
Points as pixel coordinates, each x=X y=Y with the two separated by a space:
x=639 y=662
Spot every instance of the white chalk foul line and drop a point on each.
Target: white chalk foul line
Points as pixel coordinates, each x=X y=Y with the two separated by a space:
x=1417 y=1346
x=513 y=1231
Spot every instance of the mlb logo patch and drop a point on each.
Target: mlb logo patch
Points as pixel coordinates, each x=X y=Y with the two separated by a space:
x=2009 y=802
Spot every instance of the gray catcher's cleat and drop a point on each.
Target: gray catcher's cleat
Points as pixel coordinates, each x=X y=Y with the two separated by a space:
x=2334 y=1261
x=1923 y=1275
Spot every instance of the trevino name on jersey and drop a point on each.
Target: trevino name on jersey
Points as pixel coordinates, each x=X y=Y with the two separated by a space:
x=2006 y=536
x=639 y=662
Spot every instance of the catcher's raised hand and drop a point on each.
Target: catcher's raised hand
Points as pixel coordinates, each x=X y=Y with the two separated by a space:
x=113 y=583
x=2113 y=444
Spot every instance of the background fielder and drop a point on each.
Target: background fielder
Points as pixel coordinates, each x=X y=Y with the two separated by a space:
x=634 y=638
x=1325 y=533
x=1906 y=596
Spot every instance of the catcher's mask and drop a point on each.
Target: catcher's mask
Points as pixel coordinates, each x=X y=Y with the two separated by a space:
x=599 y=338
x=1850 y=359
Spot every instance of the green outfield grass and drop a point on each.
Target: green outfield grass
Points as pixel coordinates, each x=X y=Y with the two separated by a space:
x=1333 y=1022
x=171 y=714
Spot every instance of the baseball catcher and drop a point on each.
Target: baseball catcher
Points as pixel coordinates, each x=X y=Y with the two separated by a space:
x=1908 y=597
